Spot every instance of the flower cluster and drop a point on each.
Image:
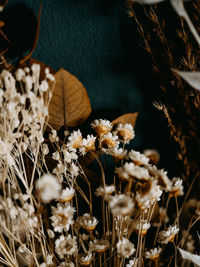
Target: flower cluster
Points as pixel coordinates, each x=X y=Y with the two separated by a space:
x=50 y=210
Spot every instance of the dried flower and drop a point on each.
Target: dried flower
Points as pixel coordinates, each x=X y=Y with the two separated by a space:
x=67 y=194
x=48 y=188
x=177 y=187
x=153 y=155
x=135 y=171
x=62 y=217
x=117 y=153
x=88 y=144
x=168 y=235
x=138 y=158
x=142 y=227
x=65 y=245
x=161 y=176
x=153 y=254
x=121 y=205
x=109 y=141
x=99 y=246
x=75 y=140
x=101 y=127
x=125 y=132
x=86 y=259
x=125 y=248
x=132 y=263
x=104 y=191
x=87 y=222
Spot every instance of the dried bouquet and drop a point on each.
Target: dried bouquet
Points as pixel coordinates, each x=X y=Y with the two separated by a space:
x=67 y=199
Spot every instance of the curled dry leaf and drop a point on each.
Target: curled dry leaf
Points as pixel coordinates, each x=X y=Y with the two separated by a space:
x=189 y=256
x=126 y=118
x=70 y=104
x=192 y=78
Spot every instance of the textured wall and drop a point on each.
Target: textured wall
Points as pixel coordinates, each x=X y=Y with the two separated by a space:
x=97 y=42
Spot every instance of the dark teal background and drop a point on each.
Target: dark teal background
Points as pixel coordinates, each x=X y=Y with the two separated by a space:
x=97 y=42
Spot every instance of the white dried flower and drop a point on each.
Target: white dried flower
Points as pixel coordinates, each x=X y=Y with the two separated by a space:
x=177 y=187
x=138 y=158
x=53 y=136
x=88 y=144
x=86 y=259
x=87 y=222
x=153 y=254
x=136 y=171
x=109 y=141
x=125 y=132
x=104 y=191
x=48 y=188
x=161 y=176
x=67 y=194
x=117 y=153
x=99 y=246
x=149 y=193
x=168 y=235
x=132 y=263
x=121 y=205
x=125 y=248
x=101 y=127
x=75 y=140
x=142 y=227
x=65 y=245
x=62 y=217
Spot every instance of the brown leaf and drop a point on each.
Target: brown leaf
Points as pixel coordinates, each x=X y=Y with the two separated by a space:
x=126 y=118
x=70 y=104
